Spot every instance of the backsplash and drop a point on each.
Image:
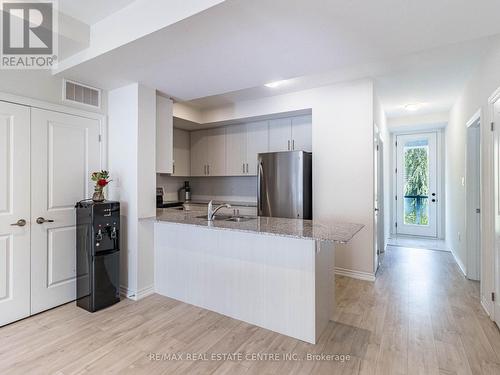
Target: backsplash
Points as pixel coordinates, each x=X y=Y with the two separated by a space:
x=230 y=189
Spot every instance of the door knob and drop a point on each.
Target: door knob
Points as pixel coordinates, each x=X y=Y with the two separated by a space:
x=19 y=223
x=41 y=220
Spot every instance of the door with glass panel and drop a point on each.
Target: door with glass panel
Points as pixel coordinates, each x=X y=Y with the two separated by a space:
x=416 y=176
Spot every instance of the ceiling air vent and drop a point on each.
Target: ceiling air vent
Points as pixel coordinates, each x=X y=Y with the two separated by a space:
x=78 y=93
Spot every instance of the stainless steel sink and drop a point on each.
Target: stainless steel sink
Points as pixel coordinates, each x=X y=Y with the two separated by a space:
x=216 y=217
x=240 y=219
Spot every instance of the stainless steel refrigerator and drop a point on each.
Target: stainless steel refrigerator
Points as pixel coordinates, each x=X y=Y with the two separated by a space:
x=284 y=184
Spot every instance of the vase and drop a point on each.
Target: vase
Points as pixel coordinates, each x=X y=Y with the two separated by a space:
x=98 y=195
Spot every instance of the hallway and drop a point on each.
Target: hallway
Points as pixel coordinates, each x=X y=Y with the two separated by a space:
x=424 y=317
x=420 y=316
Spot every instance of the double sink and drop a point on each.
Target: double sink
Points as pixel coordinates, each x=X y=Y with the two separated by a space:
x=236 y=219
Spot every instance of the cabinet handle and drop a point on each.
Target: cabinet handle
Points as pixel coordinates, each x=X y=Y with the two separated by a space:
x=208 y=169
x=205 y=169
x=288 y=145
x=173 y=168
x=293 y=144
x=247 y=167
x=243 y=165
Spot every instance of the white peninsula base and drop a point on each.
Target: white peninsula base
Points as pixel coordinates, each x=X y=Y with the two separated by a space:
x=280 y=283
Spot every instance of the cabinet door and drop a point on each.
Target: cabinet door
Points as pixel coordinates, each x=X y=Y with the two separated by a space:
x=199 y=162
x=257 y=142
x=302 y=133
x=182 y=159
x=164 y=136
x=236 y=150
x=280 y=134
x=216 y=151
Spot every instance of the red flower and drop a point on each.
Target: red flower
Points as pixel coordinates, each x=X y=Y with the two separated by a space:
x=102 y=182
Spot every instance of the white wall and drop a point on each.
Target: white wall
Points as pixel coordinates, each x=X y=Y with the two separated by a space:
x=41 y=85
x=132 y=132
x=475 y=96
x=342 y=137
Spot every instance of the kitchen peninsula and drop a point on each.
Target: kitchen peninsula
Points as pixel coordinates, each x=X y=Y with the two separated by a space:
x=272 y=272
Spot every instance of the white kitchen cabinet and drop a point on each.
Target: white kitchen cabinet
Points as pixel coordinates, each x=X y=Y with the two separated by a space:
x=302 y=133
x=236 y=150
x=292 y=133
x=164 y=135
x=280 y=134
x=216 y=153
x=208 y=152
x=257 y=141
x=198 y=142
x=182 y=157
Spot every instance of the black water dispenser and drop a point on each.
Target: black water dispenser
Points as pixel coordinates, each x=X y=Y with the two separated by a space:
x=97 y=254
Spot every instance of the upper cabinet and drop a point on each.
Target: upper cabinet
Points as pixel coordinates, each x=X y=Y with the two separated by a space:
x=182 y=157
x=243 y=144
x=164 y=135
x=292 y=133
x=208 y=152
x=232 y=150
x=257 y=142
x=302 y=133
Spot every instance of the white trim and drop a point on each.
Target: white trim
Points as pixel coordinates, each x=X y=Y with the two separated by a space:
x=459 y=263
x=360 y=275
x=475 y=117
x=136 y=295
x=487 y=307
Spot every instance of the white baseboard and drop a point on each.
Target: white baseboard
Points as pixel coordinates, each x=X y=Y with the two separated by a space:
x=360 y=275
x=460 y=264
x=136 y=295
x=486 y=306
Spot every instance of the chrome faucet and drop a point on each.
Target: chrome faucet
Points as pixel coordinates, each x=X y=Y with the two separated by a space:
x=212 y=212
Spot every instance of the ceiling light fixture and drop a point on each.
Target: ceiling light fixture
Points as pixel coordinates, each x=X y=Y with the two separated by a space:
x=413 y=107
x=275 y=84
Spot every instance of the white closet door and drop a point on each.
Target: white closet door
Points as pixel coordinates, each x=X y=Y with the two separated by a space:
x=65 y=150
x=14 y=207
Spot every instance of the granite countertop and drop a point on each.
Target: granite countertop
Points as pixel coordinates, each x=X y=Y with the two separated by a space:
x=296 y=228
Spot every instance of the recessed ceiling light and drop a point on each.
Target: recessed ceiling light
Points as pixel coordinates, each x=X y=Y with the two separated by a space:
x=275 y=84
x=413 y=107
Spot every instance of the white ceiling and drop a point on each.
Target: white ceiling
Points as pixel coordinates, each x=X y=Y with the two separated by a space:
x=91 y=11
x=416 y=50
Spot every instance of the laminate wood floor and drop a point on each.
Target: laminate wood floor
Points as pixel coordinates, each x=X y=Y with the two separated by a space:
x=420 y=316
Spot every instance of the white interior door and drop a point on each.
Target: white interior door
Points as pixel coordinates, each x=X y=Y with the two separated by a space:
x=65 y=150
x=416 y=175
x=496 y=211
x=14 y=208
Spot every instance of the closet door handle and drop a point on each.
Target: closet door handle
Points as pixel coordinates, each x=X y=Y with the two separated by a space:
x=19 y=223
x=41 y=220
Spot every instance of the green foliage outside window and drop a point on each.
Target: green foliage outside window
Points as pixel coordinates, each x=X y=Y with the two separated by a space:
x=417 y=184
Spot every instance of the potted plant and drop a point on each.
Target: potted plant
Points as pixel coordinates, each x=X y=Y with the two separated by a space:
x=101 y=180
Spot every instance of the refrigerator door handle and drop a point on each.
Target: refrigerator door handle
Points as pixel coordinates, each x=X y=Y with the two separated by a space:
x=259 y=188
